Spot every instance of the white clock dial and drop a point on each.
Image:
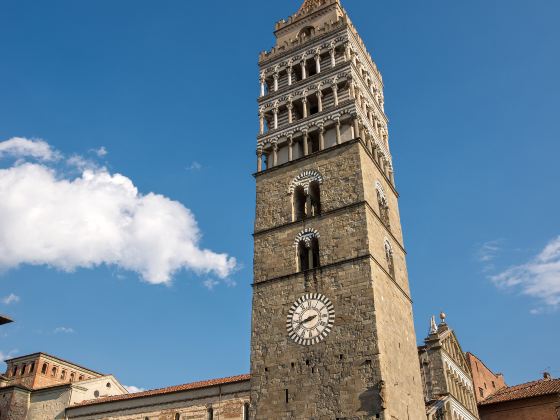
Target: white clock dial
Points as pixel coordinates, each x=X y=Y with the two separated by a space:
x=310 y=319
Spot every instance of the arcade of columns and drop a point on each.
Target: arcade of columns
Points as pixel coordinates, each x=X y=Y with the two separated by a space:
x=353 y=98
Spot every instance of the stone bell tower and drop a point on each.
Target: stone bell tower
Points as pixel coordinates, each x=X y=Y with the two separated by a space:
x=332 y=328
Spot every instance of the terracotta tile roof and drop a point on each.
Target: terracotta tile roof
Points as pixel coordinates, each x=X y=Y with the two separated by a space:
x=528 y=390
x=169 y=390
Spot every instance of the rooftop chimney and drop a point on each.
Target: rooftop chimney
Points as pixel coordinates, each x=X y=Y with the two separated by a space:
x=547 y=376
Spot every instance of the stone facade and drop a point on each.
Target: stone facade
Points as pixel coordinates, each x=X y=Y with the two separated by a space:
x=447 y=380
x=322 y=113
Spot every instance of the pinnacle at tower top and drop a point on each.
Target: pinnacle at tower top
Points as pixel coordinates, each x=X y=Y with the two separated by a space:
x=319 y=88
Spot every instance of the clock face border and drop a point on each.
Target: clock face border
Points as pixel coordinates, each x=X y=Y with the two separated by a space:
x=327 y=304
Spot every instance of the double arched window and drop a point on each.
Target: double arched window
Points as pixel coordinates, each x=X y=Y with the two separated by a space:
x=383 y=205
x=307 y=246
x=306 y=195
x=389 y=258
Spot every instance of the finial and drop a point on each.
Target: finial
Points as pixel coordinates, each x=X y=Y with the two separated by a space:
x=442 y=316
x=433 y=326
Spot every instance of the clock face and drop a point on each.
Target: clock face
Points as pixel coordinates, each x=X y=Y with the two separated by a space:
x=310 y=319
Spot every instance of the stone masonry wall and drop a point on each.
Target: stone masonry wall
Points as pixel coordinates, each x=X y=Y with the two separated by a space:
x=14 y=403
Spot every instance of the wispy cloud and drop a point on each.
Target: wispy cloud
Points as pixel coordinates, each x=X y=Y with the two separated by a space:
x=489 y=250
x=538 y=278
x=210 y=284
x=7 y=355
x=194 y=166
x=64 y=330
x=96 y=218
x=133 y=389
x=10 y=299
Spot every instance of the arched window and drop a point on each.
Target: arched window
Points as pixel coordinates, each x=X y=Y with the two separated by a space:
x=63 y=375
x=32 y=367
x=307 y=245
x=81 y=378
x=300 y=201
x=14 y=371
x=389 y=257
x=177 y=416
x=53 y=371
x=22 y=370
x=383 y=205
x=210 y=414
x=306 y=192
x=246 y=411
x=306 y=33
x=72 y=377
x=315 y=198
x=44 y=368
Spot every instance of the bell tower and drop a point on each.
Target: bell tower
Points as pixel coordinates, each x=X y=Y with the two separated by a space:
x=332 y=326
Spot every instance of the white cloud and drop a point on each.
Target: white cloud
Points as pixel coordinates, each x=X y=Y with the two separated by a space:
x=64 y=330
x=97 y=218
x=101 y=152
x=538 y=278
x=19 y=147
x=133 y=389
x=11 y=298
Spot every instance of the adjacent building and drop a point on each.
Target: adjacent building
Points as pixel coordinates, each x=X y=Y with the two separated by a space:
x=537 y=400
x=449 y=391
x=40 y=387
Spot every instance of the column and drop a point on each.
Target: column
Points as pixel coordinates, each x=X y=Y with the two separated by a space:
x=305 y=143
x=353 y=90
x=275 y=111
x=321 y=137
x=318 y=63
x=320 y=99
x=356 y=128
x=290 y=112
x=335 y=94
x=347 y=52
x=275 y=154
x=303 y=70
x=276 y=76
x=262 y=80
x=290 y=148
x=261 y=123
x=290 y=72
x=259 y=159
x=304 y=101
x=338 y=136
x=368 y=143
x=333 y=57
x=375 y=152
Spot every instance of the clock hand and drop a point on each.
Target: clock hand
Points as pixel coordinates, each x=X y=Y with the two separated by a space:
x=310 y=318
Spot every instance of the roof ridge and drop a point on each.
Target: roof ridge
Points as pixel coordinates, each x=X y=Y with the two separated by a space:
x=170 y=389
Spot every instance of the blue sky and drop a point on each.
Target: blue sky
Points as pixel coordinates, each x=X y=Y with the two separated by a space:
x=169 y=89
